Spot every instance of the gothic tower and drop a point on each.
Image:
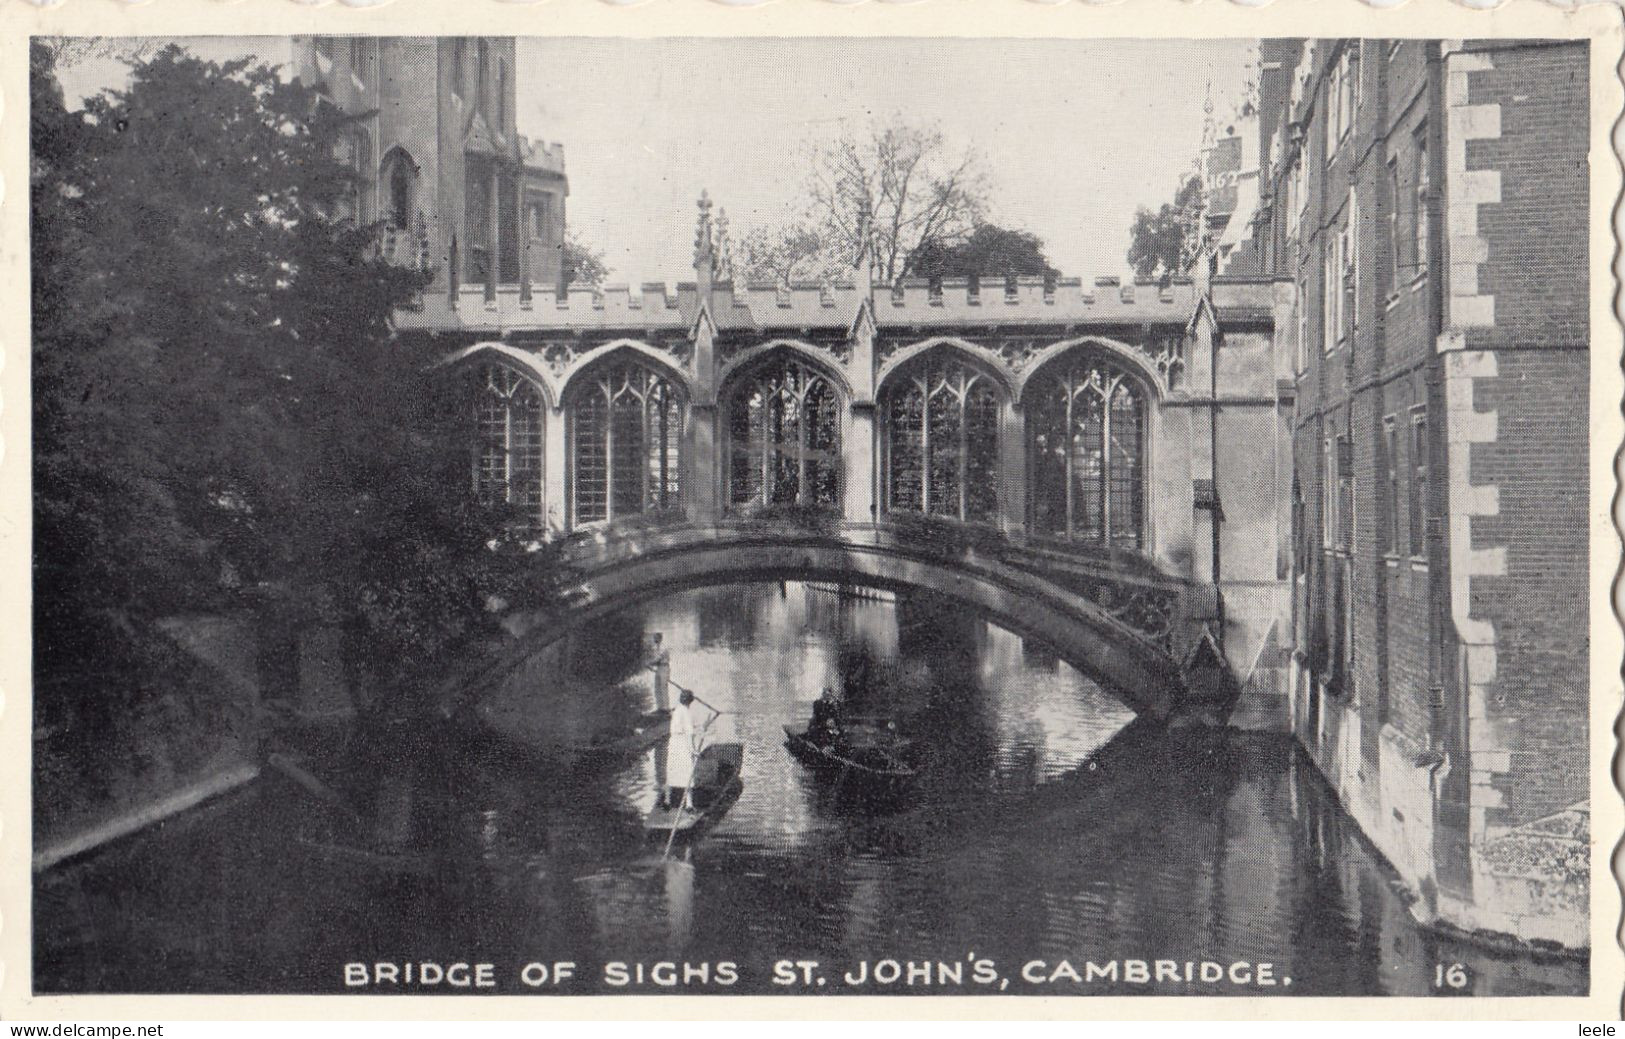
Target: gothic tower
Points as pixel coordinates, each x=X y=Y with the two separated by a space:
x=440 y=159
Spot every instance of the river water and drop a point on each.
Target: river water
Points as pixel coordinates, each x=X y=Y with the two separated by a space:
x=1050 y=846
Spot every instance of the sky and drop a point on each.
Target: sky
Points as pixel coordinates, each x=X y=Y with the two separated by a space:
x=1076 y=134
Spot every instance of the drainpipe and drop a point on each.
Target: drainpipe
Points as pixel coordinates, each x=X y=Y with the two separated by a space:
x=1217 y=513
x=1213 y=463
x=1433 y=519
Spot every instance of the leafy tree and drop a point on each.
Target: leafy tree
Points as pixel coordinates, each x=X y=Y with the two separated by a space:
x=896 y=188
x=903 y=186
x=221 y=417
x=792 y=252
x=1164 y=244
x=583 y=265
x=989 y=251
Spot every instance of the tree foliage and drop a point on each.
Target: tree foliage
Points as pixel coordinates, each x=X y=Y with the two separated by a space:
x=790 y=252
x=904 y=186
x=990 y=251
x=583 y=265
x=221 y=418
x=898 y=187
x=1163 y=244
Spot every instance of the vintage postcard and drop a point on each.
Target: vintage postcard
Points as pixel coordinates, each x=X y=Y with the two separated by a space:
x=973 y=510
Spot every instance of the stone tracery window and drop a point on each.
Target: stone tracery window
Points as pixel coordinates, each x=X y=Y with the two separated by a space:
x=509 y=440
x=941 y=422
x=400 y=178
x=1086 y=432
x=784 y=437
x=626 y=427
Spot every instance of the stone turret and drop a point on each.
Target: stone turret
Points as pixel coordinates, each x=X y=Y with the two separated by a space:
x=705 y=249
x=723 y=263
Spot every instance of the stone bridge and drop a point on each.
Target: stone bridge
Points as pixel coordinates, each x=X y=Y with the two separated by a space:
x=1046 y=450
x=1121 y=622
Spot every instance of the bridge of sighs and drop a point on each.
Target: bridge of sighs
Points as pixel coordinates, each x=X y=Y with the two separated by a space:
x=1004 y=435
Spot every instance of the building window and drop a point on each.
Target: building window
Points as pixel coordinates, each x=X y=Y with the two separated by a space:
x=1333 y=131
x=509 y=430
x=502 y=97
x=1345 y=494
x=1328 y=493
x=1086 y=428
x=1294 y=196
x=1356 y=80
x=1419 y=482
x=942 y=420
x=1420 y=204
x=1391 y=251
x=1300 y=530
x=1299 y=189
x=1300 y=362
x=356 y=153
x=1329 y=294
x=477 y=218
x=401 y=178
x=541 y=216
x=626 y=426
x=784 y=437
x=482 y=73
x=1339 y=100
x=508 y=227
x=1349 y=252
x=1390 y=444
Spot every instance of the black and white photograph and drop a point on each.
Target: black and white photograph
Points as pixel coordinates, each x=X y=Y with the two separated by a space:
x=812 y=516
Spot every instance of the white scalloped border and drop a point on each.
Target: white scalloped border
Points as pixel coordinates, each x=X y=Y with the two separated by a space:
x=1608 y=311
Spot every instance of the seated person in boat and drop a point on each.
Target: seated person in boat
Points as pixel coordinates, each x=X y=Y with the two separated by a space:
x=689 y=721
x=826 y=718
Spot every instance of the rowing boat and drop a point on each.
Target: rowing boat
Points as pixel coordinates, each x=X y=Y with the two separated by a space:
x=849 y=757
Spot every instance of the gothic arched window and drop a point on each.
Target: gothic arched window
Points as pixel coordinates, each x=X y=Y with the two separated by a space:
x=509 y=431
x=626 y=423
x=784 y=437
x=942 y=422
x=401 y=177
x=1086 y=430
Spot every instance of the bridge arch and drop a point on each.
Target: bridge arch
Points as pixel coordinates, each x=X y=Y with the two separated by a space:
x=1140 y=672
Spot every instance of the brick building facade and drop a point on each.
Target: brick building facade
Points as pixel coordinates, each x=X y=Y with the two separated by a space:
x=439 y=157
x=1423 y=205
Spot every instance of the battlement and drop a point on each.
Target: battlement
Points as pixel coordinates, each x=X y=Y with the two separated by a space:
x=542 y=156
x=577 y=309
x=1032 y=299
x=829 y=306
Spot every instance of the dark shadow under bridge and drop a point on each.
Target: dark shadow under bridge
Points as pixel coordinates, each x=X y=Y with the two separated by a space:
x=1115 y=618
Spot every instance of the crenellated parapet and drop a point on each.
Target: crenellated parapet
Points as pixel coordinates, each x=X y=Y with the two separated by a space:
x=542 y=156
x=1015 y=333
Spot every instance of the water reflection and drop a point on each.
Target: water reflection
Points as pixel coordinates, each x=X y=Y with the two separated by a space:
x=1047 y=828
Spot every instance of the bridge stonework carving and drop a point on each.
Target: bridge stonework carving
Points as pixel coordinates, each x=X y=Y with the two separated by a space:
x=1065 y=443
